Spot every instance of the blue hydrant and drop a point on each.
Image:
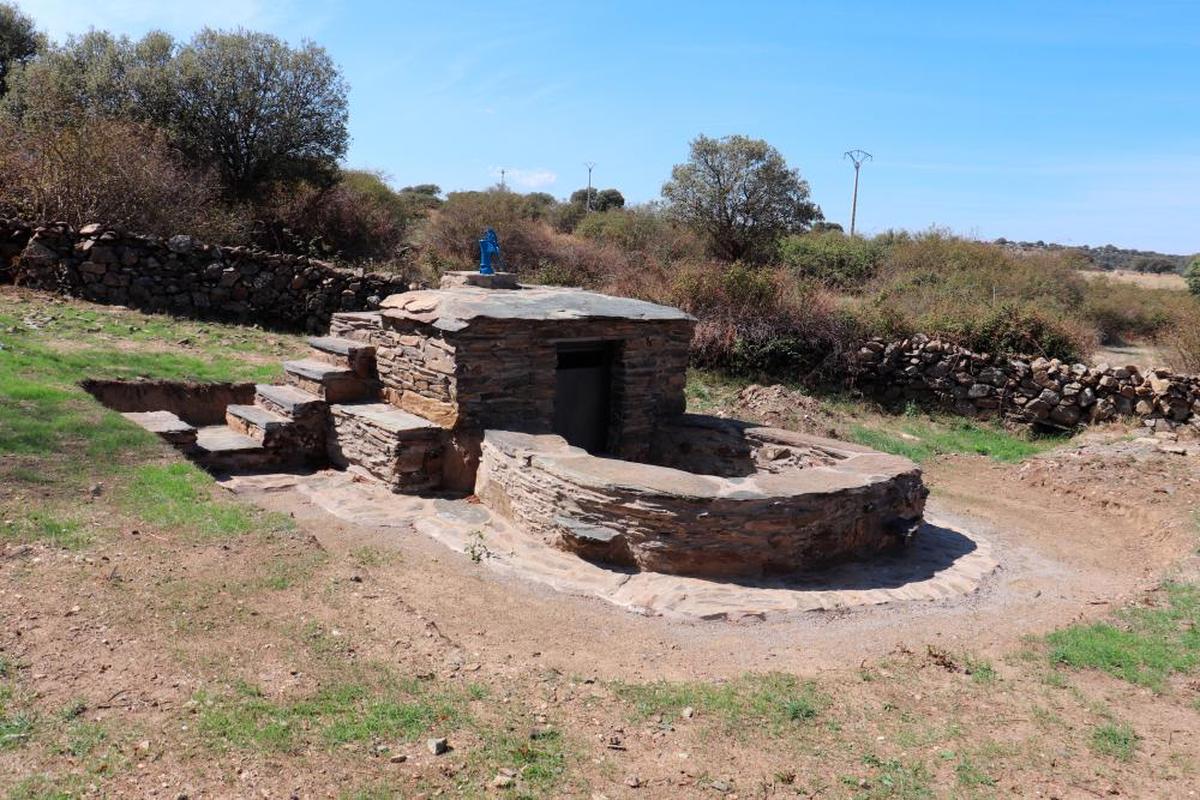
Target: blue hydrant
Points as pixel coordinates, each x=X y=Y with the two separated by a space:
x=489 y=248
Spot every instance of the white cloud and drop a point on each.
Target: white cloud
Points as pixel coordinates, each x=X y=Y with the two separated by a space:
x=526 y=178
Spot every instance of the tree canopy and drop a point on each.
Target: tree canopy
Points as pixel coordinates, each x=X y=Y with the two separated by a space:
x=19 y=41
x=243 y=104
x=741 y=194
x=258 y=109
x=602 y=199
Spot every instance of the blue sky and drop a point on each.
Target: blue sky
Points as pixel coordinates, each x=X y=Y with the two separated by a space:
x=1076 y=122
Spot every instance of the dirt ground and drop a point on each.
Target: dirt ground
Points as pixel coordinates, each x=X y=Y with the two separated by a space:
x=158 y=661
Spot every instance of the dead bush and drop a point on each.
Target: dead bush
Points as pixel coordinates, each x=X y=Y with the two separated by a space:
x=118 y=173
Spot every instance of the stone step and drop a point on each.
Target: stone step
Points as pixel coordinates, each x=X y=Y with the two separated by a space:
x=259 y=423
x=334 y=384
x=166 y=425
x=400 y=449
x=387 y=417
x=346 y=323
x=288 y=401
x=219 y=447
x=354 y=355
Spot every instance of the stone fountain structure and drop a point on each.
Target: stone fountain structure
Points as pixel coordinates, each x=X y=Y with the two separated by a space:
x=563 y=411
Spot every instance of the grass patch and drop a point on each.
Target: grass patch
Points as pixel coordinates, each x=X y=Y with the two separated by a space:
x=43 y=526
x=892 y=778
x=179 y=497
x=341 y=714
x=921 y=440
x=1116 y=740
x=773 y=698
x=539 y=759
x=1143 y=645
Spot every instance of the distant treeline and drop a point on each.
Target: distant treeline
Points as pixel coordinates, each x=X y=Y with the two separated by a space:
x=1107 y=257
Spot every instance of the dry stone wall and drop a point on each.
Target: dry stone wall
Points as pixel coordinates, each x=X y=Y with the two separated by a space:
x=1039 y=391
x=183 y=276
x=666 y=520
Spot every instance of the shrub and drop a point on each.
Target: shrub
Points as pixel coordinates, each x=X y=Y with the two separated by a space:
x=832 y=258
x=118 y=173
x=1192 y=276
x=642 y=230
x=983 y=296
x=759 y=321
x=360 y=218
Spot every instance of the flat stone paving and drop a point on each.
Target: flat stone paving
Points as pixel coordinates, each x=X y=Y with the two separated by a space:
x=942 y=564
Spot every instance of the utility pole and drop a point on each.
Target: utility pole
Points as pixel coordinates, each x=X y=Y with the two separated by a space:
x=858 y=157
x=502 y=171
x=589 y=165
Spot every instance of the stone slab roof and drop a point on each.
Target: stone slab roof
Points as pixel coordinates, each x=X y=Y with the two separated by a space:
x=454 y=309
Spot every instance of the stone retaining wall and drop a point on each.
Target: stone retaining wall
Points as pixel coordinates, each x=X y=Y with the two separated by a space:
x=1038 y=391
x=183 y=276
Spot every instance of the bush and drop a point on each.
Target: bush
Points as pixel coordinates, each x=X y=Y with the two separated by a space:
x=983 y=296
x=1192 y=276
x=759 y=321
x=118 y=173
x=358 y=219
x=832 y=258
x=642 y=230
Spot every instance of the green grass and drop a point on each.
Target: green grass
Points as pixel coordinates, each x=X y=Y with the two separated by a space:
x=1143 y=645
x=43 y=411
x=1116 y=740
x=42 y=526
x=340 y=714
x=892 y=778
x=178 y=497
x=47 y=787
x=970 y=775
x=540 y=760
x=774 y=698
x=922 y=439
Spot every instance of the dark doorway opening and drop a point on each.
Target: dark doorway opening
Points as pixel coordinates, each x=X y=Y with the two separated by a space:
x=583 y=385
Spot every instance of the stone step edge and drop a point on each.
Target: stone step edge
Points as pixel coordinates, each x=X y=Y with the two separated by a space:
x=247 y=414
x=319 y=371
x=287 y=399
x=339 y=346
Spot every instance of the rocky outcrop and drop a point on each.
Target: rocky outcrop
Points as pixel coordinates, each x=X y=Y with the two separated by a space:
x=183 y=276
x=1038 y=391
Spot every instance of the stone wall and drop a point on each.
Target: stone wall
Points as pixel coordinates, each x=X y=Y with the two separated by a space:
x=500 y=373
x=14 y=236
x=1040 y=391
x=183 y=276
x=666 y=520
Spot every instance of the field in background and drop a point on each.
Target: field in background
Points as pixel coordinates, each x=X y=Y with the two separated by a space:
x=1172 y=281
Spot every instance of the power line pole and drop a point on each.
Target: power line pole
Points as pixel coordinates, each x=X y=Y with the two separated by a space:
x=858 y=157
x=589 y=165
x=502 y=187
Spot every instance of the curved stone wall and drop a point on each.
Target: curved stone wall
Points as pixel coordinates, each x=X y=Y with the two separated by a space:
x=799 y=502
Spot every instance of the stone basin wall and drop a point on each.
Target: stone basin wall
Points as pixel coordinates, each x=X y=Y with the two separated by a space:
x=1040 y=391
x=660 y=519
x=186 y=277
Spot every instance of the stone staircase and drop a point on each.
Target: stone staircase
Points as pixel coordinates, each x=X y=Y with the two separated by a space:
x=327 y=411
